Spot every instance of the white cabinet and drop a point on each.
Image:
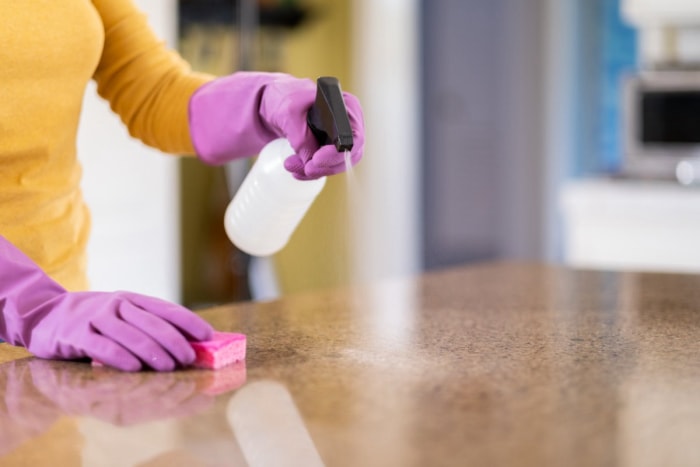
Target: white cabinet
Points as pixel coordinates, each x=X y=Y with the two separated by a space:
x=661 y=12
x=633 y=225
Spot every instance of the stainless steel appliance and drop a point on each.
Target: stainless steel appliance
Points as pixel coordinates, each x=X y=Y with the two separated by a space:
x=661 y=125
x=661 y=120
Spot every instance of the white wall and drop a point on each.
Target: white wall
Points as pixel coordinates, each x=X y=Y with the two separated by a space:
x=386 y=77
x=133 y=194
x=559 y=132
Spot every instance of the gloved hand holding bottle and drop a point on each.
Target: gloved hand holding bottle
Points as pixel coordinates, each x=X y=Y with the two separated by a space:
x=310 y=130
x=237 y=115
x=123 y=330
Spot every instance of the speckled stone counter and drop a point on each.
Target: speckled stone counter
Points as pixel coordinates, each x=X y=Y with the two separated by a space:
x=488 y=365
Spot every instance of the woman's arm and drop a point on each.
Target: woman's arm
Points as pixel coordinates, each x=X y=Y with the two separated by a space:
x=146 y=83
x=120 y=329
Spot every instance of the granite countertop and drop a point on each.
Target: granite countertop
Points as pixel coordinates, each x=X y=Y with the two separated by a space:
x=494 y=364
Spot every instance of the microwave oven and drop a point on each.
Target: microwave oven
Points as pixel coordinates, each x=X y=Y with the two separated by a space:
x=661 y=125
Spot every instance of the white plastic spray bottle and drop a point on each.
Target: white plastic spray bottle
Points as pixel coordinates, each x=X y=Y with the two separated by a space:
x=270 y=202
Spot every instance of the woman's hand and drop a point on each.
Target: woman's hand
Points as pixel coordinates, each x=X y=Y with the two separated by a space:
x=235 y=116
x=124 y=330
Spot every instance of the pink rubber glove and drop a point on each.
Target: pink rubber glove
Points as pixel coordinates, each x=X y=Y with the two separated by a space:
x=235 y=116
x=120 y=329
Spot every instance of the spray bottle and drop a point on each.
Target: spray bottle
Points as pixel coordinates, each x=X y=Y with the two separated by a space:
x=270 y=202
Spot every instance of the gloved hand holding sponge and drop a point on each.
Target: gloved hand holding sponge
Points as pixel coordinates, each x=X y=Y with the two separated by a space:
x=124 y=330
x=230 y=118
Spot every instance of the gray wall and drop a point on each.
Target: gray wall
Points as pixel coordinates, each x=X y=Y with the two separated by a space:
x=483 y=159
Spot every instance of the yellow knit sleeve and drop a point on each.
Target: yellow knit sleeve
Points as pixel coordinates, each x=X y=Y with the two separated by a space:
x=146 y=84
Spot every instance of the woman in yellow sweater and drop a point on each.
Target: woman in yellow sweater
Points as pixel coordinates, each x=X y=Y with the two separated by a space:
x=48 y=52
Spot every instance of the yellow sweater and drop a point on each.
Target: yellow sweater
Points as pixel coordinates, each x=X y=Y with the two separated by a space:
x=49 y=50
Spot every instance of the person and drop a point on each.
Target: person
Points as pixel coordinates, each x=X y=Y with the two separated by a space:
x=48 y=52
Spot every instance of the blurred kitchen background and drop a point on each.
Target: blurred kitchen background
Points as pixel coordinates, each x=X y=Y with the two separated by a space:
x=558 y=130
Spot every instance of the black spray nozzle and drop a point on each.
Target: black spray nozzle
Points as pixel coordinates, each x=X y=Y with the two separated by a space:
x=328 y=117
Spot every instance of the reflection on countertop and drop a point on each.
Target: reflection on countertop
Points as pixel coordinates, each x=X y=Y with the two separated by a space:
x=496 y=364
x=105 y=403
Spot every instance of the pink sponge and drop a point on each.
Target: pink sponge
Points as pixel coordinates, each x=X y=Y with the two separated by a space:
x=223 y=349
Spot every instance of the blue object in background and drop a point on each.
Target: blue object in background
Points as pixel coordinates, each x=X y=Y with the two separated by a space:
x=618 y=58
x=605 y=50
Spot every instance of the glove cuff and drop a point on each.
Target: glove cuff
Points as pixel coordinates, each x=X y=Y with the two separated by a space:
x=24 y=291
x=224 y=117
